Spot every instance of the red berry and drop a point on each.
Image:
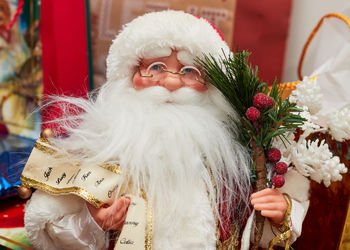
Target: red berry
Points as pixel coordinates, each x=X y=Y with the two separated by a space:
x=260 y=100
x=274 y=155
x=270 y=102
x=252 y=114
x=278 y=181
x=281 y=167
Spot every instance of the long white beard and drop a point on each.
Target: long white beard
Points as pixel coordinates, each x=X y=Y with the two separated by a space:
x=170 y=143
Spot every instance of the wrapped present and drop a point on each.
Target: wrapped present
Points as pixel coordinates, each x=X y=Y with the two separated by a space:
x=14 y=150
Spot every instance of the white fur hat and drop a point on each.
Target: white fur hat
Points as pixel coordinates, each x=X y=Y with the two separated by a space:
x=153 y=34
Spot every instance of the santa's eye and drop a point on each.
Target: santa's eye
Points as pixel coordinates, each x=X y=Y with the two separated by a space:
x=156 y=66
x=190 y=70
x=187 y=70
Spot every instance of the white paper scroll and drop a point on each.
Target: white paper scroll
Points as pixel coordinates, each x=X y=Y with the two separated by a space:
x=136 y=231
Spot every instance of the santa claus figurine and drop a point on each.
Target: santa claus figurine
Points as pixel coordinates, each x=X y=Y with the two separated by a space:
x=170 y=135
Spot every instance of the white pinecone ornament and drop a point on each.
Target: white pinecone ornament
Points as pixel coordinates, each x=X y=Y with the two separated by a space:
x=339 y=124
x=314 y=159
x=308 y=93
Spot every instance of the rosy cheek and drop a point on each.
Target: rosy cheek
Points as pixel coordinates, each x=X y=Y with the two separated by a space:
x=197 y=86
x=141 y=82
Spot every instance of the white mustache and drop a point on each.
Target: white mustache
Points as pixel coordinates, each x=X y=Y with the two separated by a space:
x=160 y=95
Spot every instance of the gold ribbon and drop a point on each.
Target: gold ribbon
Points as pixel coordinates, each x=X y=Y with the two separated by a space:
x=232 y=242
x=29 y=182
x=46 y=169
x=284 y=228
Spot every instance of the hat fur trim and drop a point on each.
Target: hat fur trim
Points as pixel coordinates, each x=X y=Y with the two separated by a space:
x=166 y=29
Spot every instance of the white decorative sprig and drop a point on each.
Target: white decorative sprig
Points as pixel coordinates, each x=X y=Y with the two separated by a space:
x=314 y=159
x=308 y=93
x=339 y=124
x=309 y=125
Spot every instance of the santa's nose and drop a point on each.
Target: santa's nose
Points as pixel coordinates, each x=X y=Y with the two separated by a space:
x=172 y=82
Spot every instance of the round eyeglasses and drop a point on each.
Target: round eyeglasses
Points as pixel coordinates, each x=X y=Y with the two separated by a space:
x=158 y=71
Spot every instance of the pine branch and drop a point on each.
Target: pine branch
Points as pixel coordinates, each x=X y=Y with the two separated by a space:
x=239 y=83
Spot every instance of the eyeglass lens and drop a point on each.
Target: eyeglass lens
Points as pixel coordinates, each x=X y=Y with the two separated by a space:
x=158 y=71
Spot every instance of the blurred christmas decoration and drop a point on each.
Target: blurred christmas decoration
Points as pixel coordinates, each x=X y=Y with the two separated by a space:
x=20 y=95
x=20 y=88
x=20 y=67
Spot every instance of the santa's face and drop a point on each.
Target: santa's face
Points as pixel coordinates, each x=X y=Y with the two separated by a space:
x=167 y=72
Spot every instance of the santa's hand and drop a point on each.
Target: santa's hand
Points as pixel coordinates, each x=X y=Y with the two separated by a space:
x=271 y=203
x=112 y=216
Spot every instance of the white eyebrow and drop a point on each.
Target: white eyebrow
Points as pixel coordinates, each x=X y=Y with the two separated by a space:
x=185 y=57
x=150 y=53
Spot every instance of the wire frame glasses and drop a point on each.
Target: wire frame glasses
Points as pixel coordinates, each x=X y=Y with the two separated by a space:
x=158 y=71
